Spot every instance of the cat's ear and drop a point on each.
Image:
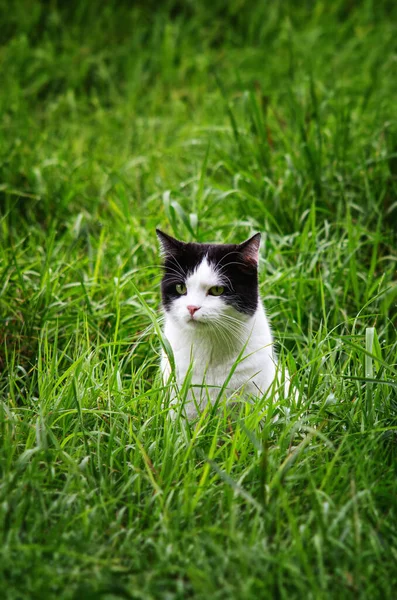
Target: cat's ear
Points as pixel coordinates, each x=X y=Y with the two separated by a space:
x=250 y=249
x=169 y=245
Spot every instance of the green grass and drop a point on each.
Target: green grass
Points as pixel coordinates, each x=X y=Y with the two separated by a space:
x=212 y=120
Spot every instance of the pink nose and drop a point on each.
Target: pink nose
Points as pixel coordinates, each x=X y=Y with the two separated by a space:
x=192 y=309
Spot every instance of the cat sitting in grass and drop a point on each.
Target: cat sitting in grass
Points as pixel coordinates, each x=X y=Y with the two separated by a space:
x=215 y=322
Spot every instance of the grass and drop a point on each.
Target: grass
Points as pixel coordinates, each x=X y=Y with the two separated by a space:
x=212 y=120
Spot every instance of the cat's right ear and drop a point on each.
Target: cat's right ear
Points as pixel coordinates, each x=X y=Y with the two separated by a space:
x=169 y=245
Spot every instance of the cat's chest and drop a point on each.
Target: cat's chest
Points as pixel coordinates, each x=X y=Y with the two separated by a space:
x=211 y=363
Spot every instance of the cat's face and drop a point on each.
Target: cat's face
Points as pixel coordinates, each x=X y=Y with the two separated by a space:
x=209 y=284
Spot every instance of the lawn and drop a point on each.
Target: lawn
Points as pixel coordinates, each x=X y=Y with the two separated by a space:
x=211 y=120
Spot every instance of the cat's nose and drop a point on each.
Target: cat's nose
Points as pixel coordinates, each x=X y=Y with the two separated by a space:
x=192 y=309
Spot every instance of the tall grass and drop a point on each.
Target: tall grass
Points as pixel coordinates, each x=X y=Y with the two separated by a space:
x=211 y=120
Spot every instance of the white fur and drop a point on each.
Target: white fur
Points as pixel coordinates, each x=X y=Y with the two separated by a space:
x=211 y=341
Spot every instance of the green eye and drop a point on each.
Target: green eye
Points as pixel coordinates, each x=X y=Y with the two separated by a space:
x=216 y=290
x=181 y=288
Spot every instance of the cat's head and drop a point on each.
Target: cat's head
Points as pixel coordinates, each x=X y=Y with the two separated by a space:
x=206 y=284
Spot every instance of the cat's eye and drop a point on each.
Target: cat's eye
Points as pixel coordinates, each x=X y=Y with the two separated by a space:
x=181 y=288
x=216 y=290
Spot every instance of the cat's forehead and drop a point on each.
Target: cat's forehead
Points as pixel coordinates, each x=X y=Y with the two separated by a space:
x=205 y=275
x=194 y=255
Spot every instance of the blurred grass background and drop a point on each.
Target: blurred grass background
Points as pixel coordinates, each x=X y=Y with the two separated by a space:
x=212 y=120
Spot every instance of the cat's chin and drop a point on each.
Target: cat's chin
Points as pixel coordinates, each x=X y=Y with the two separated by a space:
x=193 y=323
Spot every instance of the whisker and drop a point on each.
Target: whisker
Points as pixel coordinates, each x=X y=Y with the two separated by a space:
x=179 y=273
x=225 y=256
x=175 y=279
x=234 y=262
x=231 y=327
x=172 y=258
x=223 y=335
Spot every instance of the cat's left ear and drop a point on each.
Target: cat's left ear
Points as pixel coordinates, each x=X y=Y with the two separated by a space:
x=250 y=249
x=169 y=245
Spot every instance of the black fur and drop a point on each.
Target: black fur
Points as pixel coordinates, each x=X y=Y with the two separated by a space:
x=237 y=262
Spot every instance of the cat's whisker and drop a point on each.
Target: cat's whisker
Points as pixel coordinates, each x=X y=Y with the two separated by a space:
x=222 y=333
x=174 y=279
x=172 y=258
x=179 y=273
x=217 y=333
x=231 y=329
x=225 y=279
x=225 y=256
x=235 y=262
x=233 y=321
x=224 y=320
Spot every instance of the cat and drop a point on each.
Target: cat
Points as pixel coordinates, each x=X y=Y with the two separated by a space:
x=215 y=321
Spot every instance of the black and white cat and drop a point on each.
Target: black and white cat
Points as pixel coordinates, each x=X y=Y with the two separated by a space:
x=215 y=321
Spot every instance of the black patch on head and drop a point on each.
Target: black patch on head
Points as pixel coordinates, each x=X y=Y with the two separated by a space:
x=237 y=264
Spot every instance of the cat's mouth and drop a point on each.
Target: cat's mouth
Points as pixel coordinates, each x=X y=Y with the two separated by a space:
x=194 y=321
